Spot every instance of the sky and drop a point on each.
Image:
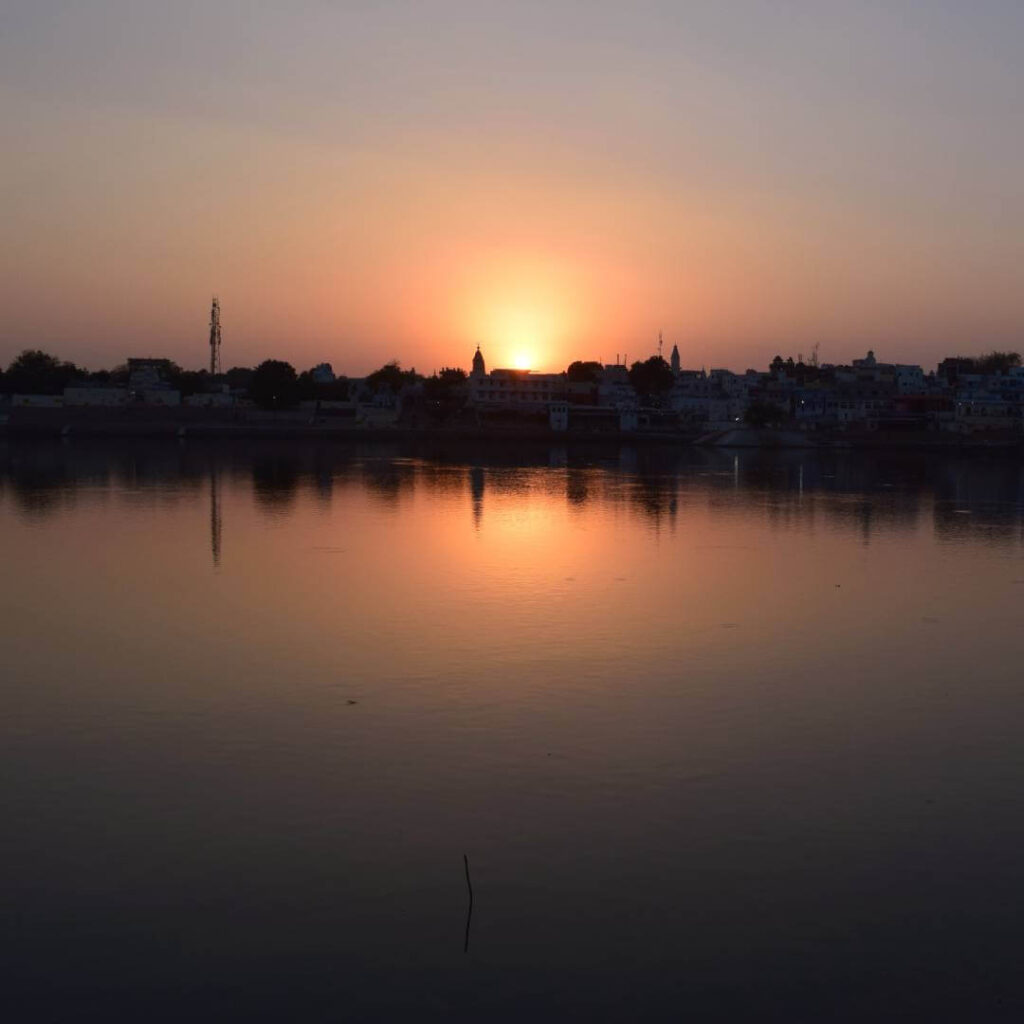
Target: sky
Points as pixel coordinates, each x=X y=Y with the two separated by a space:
x=372 y=180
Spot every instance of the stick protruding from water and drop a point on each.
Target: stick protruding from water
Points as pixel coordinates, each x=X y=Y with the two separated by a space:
x=469 y=909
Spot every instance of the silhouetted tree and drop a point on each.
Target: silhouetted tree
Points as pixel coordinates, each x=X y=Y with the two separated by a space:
x=992 y=362
x=188 y=382
x=309 y=389
x=652 y=379
x=274 y=385
x=239 y=377
x=305 y=386
x=581 y=372
x=38 y=373
x=445 y=393
x=391 y=377
x=338 y=390
x=997 y=362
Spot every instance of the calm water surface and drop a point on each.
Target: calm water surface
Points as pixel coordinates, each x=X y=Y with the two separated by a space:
x=727 y=737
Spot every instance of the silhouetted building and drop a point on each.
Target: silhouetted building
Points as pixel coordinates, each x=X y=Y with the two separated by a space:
x=478 y=364
x=519 y=390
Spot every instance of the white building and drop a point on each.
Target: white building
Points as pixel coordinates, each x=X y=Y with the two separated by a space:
x=95 y=396
x=906 y=377
x=522 y=390
x=614 y=389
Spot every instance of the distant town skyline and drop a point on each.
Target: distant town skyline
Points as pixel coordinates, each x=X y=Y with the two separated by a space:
x=552 y=182
x=519 y=358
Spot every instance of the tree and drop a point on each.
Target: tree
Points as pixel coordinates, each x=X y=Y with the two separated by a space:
x=391 y=377
x=445 y=393
x=188 y=382
x=990 y=363
x=997 y=362
x=238 y=377
x=584 y=372
x=274 y=385
x=329 y=391
x=38 y=373
x=652 y=379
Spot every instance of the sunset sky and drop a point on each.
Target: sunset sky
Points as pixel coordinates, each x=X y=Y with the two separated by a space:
x=360 y=181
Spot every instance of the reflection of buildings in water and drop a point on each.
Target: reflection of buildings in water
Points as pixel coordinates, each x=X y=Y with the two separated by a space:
x=656 y=499
x=476 y=490
x=980 y=499
x=627 y=459
x=216 y=525
x=794 y=491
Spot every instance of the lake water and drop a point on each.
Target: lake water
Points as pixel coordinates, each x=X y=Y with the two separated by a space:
x=726 y=736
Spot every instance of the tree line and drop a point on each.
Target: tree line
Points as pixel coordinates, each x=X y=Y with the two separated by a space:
x=273 y=384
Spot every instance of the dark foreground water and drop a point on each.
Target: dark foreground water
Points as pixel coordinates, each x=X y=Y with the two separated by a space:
x=724 y=737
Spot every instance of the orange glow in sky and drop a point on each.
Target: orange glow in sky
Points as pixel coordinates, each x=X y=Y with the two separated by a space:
x=375 y=182
x=525 y=312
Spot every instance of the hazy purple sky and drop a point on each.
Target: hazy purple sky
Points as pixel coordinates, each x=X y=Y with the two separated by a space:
x=360 y=181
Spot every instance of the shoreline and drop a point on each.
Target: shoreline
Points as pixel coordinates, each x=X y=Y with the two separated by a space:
x=182 y=425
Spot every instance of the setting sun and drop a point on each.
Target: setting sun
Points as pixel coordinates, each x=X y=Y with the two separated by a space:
x=524 y=308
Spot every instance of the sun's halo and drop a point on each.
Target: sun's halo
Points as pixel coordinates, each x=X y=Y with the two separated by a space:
x=522 y=361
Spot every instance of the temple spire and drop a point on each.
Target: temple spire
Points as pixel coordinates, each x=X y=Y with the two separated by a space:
x=478 y=364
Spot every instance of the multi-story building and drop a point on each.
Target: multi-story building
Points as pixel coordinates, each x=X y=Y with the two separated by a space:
x=520 y=390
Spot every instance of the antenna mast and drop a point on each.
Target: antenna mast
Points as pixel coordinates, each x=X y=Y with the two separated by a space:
x=215 y=337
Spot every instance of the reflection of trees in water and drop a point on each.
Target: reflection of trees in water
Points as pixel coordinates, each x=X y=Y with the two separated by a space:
x=438 y=478
x=322 y=474
x=389 y=480
x=510 y=482
x=275 y=481
x=47 y=476
x=42 y=478
x=968 y=495
x=795 y=490
x=577 y=486
x=39 y=486
x=655 y=498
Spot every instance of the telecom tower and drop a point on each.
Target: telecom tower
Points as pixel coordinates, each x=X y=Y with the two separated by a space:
x=215 y=337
